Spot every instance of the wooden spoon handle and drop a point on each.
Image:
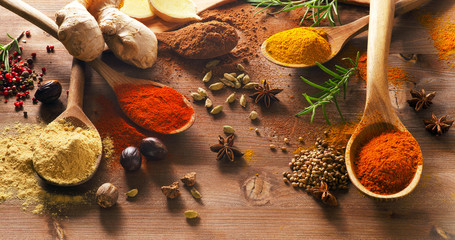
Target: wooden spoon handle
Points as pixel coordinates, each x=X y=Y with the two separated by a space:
x=76 y=90
x=379 y=35
x=32 y=15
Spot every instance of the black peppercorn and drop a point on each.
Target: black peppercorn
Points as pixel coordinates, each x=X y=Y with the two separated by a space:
x=131 y=159
x=49 y=91
x=153 y=149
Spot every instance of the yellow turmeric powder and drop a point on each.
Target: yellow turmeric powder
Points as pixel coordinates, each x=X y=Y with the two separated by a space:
x=303 y=45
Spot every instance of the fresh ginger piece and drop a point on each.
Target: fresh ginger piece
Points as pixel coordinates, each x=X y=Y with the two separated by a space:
x=79 y=32
x=138 y=9
x=180 y=11
x=129 y=40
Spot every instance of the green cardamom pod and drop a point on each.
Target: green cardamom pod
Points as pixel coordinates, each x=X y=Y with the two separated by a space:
x=212 y=64
x=207 y=77
x=216 y=86
x=216 y=110
x=228 y=129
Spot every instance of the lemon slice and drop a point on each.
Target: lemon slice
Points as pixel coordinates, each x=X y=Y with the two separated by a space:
x=175 y=10
x=139 y=9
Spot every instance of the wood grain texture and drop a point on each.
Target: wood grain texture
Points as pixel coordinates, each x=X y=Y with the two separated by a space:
x=225 y=212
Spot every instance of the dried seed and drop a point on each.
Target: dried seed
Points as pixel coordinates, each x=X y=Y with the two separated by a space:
x=272 y=147
x=227 y=82
x=253 y=115
x=208 y=103
x=196 y=194
x=301 y=139
x=196 y=96
x=240 y=77
x=256 y=130
x=246 y=79
x=230 y=98
x=250 y=85
x=243 y=100
x=228 y=129
x=237 y=84
x=202 y=92
x=207 y=77
x=132 y=193
x=216 y=86
x=240 y=67
x=191 y=214
x=284 y=149
x=216 y=110
x=229 y=77
x=286 y=140
x=212 y=63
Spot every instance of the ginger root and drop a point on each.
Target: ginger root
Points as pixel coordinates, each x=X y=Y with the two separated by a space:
x=79 y=32
x=129 y=40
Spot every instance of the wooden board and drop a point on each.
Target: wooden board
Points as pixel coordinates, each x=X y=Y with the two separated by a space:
x=225 y=211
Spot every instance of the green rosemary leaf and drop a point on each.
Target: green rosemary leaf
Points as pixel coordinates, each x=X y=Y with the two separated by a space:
x=328 y=71
x=314 y=84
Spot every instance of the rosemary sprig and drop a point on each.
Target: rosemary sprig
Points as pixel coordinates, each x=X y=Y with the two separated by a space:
x=329 y=89
x=317 y=10
x=4 y=54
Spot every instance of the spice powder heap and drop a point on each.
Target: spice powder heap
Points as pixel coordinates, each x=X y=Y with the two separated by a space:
x=160 y=109
x=303 y=45
x=387 y=163
x=67 y=153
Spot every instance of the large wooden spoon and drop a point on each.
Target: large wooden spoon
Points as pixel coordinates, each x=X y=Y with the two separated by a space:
x=340 y=35
x=379 y=115
x=74 y=115
x=113 y=77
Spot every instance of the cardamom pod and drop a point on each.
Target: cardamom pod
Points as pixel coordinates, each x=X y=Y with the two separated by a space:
x=196 y=194
x=207 y=76
x=233 y=74
x=196 y=96
x=216 y=110
x=228 y=129
x=229 y=77
x=202 y=92
x=208 y=103
x=230 y=98
x=251 y=85
x=246 y=79
x=253 y=115
x=227 y=82
x=240 y=77
x=191 y=214
x=243 y=100
x=240 y=67
x=237 y=84
x=216 y=86
x=212 y=64
x=132 y=193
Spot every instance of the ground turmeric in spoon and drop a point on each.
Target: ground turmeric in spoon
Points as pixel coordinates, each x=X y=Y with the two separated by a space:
x=304 y=45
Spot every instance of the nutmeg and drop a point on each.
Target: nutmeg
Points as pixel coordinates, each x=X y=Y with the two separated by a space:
x=49 y=91
x=107 y=195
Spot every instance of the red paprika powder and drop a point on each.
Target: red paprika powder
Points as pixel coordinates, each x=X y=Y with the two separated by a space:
x=387 y=164
x=162 y=110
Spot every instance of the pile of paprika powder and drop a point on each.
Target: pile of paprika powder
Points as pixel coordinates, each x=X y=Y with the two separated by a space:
x=160 y=109
x=387 y=163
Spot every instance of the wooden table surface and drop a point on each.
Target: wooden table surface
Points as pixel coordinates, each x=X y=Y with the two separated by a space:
x=226 y=210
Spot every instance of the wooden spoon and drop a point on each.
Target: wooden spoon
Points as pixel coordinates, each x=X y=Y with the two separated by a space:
x=340 y=35
x=74 y=115
x=379 y=115
x=113 y=77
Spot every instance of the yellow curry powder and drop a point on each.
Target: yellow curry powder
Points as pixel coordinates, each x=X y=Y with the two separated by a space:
x=18 y=180
x=303 y=45
x=442 y=33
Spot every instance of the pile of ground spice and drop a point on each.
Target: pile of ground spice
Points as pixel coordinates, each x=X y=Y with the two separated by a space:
x=339 y=134
x=18 y=180
x=67 y=154
x=442 y=33
x=158 y=109
x=387 y=163
x=395 y=75
x=202 y=40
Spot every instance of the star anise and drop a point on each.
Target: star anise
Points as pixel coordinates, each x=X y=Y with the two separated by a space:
x=225 y=149
x=265 y=95
x=438 y=126
x=420 y=99
x=322 y=193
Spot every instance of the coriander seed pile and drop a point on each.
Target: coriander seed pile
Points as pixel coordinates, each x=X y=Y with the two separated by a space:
x=324 y=163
